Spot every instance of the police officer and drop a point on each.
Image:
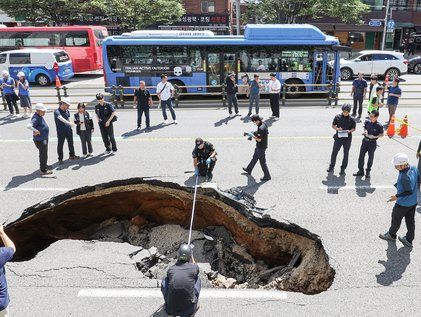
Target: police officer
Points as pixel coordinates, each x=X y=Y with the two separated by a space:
x=406 y=200
x=181 y=287
x=232 y=93
x=344 y=125
x=204 y=158
x=64 y=130
x=359 y=91
x=261 y=138
x=372 y=131
x=106 y=115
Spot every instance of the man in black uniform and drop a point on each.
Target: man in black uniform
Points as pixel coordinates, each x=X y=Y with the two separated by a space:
x=372 y=131
x=261 y=138
x=181 y=287
x=232 y=93
x=142 y=101
x=204 y=158
x=344 y=125
x=106 y=115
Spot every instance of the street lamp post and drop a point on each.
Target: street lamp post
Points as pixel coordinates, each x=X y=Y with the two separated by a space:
x=237 y=15
x=385 y=25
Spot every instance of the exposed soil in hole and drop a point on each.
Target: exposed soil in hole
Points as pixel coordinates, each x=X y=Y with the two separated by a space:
x=247 y=250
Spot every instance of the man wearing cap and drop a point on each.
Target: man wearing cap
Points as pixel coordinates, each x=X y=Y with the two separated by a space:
x=181 y=287
x=7 y=84
x=64 y=130
x=40 y=131
x=261 y=138
x=406 y=200
x=23 y=93
x=344 y=125
x=373 y=130
x=395 y=93
x=274 y=95
x=359 y=91
x=232 y=93
x=106 y=115
x=204 y=158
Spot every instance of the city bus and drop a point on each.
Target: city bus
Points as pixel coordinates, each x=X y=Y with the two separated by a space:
x=82 y=43
x=299 y=55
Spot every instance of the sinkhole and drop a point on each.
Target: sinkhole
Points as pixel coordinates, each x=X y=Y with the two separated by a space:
x=243 y=247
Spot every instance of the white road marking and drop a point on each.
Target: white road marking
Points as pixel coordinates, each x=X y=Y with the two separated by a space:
x=351 y=187
x=34 y=189
x=205 y=293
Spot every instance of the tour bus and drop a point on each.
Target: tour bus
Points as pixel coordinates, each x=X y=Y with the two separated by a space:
x=82 y=43
x=298 y=54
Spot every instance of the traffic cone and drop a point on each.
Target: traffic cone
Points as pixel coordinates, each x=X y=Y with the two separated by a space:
x=403 y=129
x=391 y=127
x=58 y=83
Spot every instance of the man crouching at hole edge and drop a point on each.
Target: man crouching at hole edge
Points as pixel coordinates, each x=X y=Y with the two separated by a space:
x=204 y=158
x=181 y=287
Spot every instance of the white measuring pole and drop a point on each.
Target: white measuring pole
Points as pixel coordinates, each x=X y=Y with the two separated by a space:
x=192 y=212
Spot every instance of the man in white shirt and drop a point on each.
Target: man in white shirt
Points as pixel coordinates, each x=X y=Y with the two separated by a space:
x=274 y=94
x=165 y=91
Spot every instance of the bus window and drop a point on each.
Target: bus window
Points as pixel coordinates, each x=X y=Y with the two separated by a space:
x=295 y=61
x=8 y=39
x=100 y=36
x=259 y=59
x=41 y=38
x=76 y=38
x=172 y=55
x=196 y=57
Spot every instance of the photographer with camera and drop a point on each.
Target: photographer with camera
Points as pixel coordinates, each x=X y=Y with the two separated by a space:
x=261 y=138
x=204 y=158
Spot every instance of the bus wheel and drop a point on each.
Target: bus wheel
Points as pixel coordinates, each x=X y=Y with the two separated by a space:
x=293 y=88
x=181 y=90
x=42 y=80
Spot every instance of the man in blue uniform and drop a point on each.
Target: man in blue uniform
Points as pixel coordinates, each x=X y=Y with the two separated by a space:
x=406 y=200
x=373 y=130
x=359 y=91
x=64 y=130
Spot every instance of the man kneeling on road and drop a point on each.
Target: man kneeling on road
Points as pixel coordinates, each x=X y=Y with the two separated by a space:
x=181 y=287
x=204 y=158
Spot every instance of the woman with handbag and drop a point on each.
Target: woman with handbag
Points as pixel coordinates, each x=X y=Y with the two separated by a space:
x=7 y=84
x=23 y=94
x=84 y=128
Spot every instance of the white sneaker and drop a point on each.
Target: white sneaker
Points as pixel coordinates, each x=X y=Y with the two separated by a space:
x=231 y=115
x=165 y=121
x=175 y=122
x=138 y=129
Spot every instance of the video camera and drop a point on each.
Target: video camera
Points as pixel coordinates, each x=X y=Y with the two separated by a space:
x=249 y=137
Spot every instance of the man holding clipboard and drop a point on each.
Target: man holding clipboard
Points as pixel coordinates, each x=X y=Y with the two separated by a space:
x=344 y=125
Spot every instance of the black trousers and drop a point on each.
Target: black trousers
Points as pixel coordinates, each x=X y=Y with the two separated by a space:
x=42 y=147
x=86 y=139
x=205 y=169
x=367 y=147
x=259 y=155
x=399 y=212
x=107 y=134
x=337 y=144
x=11 y=102
x=274 y=104
x=140 y=112
x=358 y=102
x=60 y=144
x=232 y=100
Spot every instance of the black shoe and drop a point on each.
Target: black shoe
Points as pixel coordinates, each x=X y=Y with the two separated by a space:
x=245 y=170
x=265 y=179
x=209 y=177
x=359 y=173
x=353 y=115
x=342 y=173
x=367 y=174
x=330 y=169
x=249 y=114
x=359 y=116
x=60 y=162
x=46 y=172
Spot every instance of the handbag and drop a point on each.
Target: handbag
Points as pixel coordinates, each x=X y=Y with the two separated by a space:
x=15 y=96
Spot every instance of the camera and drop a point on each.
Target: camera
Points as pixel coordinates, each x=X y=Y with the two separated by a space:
x=246 y=134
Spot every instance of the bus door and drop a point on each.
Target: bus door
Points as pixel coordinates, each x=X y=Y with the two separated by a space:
x=319 y=68
x=219 y=65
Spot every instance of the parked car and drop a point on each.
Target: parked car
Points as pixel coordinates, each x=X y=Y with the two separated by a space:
x=39 y=65
x=416 y=37
x=414 y=64
x=381 y=63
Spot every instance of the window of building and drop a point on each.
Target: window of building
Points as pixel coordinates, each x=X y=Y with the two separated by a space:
x=418 y=5
x=208 y=6
x=376 y=5
x=20 y=58
x=399 y=4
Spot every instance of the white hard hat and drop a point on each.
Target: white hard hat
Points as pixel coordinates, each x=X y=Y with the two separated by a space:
x=21 y=74
x=66 y=101
x=40 y=106
x=400 y=159
x=5 y=72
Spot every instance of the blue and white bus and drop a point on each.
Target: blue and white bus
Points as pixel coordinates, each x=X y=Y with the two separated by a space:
x=297 y=53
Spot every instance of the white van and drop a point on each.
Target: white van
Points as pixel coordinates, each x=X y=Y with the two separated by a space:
x=39 y=65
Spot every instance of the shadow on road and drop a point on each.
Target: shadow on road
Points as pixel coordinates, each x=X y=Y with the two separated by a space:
x=19 y=180
x=363 y=186
x=395 y=265
x=223 y=121
x=9 y=120
x=252 y=186
x=334 y=183
x=160 y=312
x=89 y=161
x=191 y=181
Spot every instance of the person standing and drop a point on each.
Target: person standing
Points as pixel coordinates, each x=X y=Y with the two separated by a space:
x=359 y=91
x=23 y=93
x=395 y=92
x=165 y=91
x=373 y=85
x=7 y=84
x=419 y=171
x=106 y=116
x=204 y=158
x=84 y=128
x=373 y=130
x=344 y=125
x=232 y=93
x=411 y=48
x=375 y=101
x=261 y=138
x=142 y=101
x=6 y=255
x=40 y=131
x=181 y=287
x=254 y=94
x=64 y=130
x=406 y=200
x=274 y=95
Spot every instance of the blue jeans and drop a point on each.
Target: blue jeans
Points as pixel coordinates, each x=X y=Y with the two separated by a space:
x=164 y=104
x=254 y=99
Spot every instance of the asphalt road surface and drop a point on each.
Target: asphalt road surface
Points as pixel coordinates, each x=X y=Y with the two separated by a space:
x=80 y=278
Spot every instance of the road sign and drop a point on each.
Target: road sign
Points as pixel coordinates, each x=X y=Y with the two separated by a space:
x=391 y=24
x=375 y=23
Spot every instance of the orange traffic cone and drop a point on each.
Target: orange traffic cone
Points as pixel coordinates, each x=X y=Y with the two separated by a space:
x=403 y=130
x=391 y=127
x=58 y=83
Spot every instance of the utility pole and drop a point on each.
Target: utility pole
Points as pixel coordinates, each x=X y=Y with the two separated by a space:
x=386 y=18
x=237 y=15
